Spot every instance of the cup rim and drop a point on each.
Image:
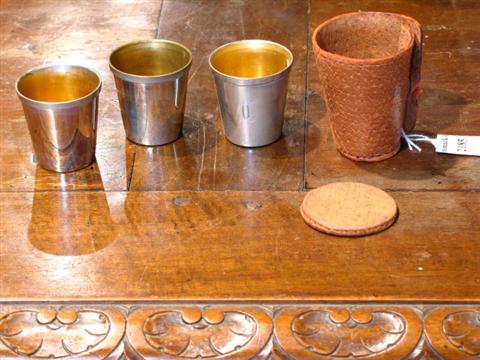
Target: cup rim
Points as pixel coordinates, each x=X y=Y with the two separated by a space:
x=67 y=103
x=366 y=61
x=148 y=78
x=260 y=78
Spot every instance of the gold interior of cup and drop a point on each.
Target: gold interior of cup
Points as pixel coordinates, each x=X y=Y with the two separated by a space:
x=251 y=59
x=365 y=35
x=150 y=58
x=58 y=83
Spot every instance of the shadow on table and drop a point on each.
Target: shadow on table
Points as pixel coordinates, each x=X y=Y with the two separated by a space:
x=69 y=223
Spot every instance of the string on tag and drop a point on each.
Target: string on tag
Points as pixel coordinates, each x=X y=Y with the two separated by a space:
x=411 y=145
x=449 y=144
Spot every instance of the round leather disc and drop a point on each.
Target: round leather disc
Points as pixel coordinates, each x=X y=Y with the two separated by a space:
x=349 y=209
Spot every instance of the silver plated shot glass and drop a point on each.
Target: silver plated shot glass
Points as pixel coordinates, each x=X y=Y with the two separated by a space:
x=60 y=103
x=251 y=78
x=151 y=77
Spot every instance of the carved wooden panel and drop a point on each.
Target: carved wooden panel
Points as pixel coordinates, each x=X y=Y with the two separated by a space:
x=71 y=332
x=454 y=332
x=230 y=331
x=216 y=332
x=348 y=332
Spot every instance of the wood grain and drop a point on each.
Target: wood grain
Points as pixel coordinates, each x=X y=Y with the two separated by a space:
x=449 y=103
x=232 y=246
x=34 y=33
x=203 y=159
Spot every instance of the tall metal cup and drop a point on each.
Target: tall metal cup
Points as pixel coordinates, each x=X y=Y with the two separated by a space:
x=251 y=78
x=60 y=103
x=151 y=77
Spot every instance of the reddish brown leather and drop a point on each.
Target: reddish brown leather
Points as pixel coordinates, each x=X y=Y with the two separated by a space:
x=369 y=65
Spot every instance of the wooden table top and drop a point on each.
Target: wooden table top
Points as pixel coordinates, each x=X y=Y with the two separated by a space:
x=204 y=238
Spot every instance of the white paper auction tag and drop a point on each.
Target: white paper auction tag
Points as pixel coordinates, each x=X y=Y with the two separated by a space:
x=449 y=144
x=457 y=144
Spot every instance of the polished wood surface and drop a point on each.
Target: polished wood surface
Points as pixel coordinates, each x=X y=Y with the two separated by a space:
x=197 y=248
x=233 y=246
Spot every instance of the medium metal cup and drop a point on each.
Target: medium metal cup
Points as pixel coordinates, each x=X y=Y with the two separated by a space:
x=60 y=103
x=251 y=78
x=151 y=77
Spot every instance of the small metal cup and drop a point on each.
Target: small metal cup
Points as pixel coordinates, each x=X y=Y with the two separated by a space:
x=251 y=77
x=151 y=77
x=60 y=103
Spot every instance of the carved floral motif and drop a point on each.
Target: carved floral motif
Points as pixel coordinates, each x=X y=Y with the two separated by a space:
x=168 y=332
x=195 y=333
x=454 y=332
x=238 y=332
x=345 y=333
x=463 y=330
x=48 y=333
x=342 y=334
